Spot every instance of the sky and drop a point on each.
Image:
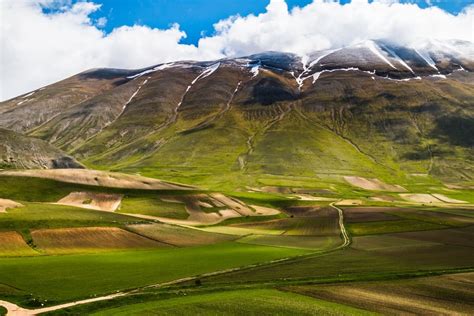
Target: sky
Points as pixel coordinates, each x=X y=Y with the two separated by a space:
x=43 y=41
x=196 y=17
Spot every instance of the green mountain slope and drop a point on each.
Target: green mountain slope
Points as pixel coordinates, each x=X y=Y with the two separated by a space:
x=269 y=119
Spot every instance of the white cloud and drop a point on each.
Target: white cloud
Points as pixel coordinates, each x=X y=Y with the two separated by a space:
x=101 y=22
x=328 y=24
x=38 y=48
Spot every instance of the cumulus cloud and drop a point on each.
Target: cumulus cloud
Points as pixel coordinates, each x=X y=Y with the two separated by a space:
x=328 y=24
x=38 y=48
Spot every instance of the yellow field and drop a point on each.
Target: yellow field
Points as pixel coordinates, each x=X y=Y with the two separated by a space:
x=12 y=244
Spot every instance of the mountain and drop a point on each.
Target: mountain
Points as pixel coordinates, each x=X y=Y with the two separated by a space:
x=18 y=151
x=375 y=109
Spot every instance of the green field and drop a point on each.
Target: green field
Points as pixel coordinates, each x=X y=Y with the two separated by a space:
x=12 y=244
x=153 y=206
x=356 y=264
x=42 y=215
x=179 y=236
x=65 y=278
x=304 y=242
x=246 y=302
x=386 y=227
x=447 y=294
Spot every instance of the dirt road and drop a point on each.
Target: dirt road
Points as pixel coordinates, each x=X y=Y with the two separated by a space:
x=346 y=241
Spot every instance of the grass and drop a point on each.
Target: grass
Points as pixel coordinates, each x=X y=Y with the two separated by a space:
x=31 y=189
x=308 y=149
x=324 y=223
x=387 y=242
x=352 y=263
x=439 y=217
x=449 y=294
x=385 y=227
x=153 y=206
x=304 y=242
x=241 y=231
x=13 y=244
x=3 y=311
x=263 y=199
x=461 y=212
x=42 y=215
x=288 y=153
x=44 y=190
x=452 y=236
x=179 y=236
x=34 y=189
x=65 y=278
x=256 y=302
x=249 y=219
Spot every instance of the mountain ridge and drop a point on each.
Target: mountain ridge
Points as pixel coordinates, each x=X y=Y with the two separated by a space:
x=398 y=109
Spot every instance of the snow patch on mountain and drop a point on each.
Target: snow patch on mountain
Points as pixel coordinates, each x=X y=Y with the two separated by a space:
x=28 y=95
x=316 y=61
x=398 y=58
x=160 y=67
x=374 y=49
x=426 y=57
x=134 y=94
x=255 y=70
x=207 y=72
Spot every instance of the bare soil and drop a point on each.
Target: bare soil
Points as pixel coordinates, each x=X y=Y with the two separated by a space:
x=373 y=184
x=5 y=204
x=94 y=201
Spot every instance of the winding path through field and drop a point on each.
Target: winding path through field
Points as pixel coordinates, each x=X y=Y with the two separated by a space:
x=15 y=310
x=346 y=241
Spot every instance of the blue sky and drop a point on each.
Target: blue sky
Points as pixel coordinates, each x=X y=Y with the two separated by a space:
x=196 y=17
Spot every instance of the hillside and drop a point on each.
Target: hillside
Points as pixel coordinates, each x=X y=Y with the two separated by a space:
x=401 y=114
x=18 y=151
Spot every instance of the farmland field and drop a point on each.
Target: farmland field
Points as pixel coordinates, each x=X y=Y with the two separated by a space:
x=41 y=215
x=64 y=278
x=153 y=206
x=89 y=239
x=255 y=302
x=179 y=236
x=450 y=294
x=52 y=254
x=304 y=242
x=12 y=244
